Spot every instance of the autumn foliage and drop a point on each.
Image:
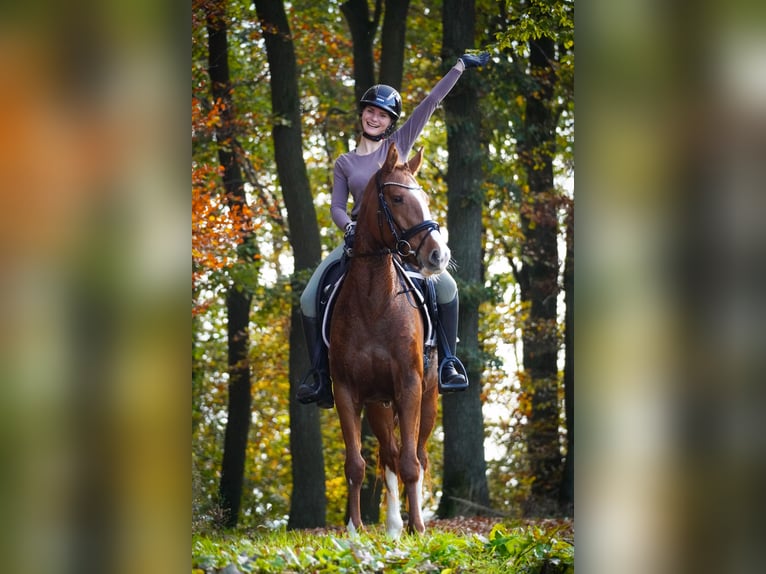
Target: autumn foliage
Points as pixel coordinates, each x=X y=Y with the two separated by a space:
x=218 y=225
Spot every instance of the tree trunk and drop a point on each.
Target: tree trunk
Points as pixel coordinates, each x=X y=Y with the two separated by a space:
x=464 y=462
x=238 y=298
x=540 y=281
x=392 y=42
x=308 y=501
x=566 y=494
x=363 y=30
x=238 y=419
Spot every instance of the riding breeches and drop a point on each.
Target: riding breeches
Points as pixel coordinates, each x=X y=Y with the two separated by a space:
x=309 y=295
x=446 y=288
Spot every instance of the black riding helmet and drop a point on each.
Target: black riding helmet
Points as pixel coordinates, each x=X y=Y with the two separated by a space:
x=387 y=99
x=384 y=97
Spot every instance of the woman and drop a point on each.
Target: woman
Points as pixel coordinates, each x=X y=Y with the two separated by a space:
x=379 y=111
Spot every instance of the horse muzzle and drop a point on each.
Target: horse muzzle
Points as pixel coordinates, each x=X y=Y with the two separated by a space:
x=436 y=259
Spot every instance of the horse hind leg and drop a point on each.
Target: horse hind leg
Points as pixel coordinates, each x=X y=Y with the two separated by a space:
x=394 y=522
x=381 y=421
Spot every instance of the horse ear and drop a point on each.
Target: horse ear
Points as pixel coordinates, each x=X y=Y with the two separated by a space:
x=416 y=161
x=391 y=159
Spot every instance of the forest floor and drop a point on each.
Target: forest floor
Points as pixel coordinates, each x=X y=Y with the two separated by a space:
x=464 y=545
x=481 y=525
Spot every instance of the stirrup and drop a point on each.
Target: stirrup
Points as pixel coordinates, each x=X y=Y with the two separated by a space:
x=459 y=368
x=321 y=393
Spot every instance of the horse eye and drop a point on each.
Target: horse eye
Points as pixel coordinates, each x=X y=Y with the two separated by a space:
x=397 y=199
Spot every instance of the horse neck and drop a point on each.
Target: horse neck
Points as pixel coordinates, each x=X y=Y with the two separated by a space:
x=373 y=266
x=374 y=263
x=368 y=223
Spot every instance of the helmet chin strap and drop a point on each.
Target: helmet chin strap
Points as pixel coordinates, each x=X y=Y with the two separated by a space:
x=373 y=138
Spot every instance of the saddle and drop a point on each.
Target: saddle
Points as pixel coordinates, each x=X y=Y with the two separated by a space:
x=420 y=290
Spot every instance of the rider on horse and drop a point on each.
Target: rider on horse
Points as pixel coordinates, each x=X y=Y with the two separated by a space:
x=379 y=110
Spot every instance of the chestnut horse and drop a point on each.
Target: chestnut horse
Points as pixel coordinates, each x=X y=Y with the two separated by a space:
x=377 y=340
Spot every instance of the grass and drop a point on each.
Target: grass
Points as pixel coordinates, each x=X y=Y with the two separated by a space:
x=520 y=549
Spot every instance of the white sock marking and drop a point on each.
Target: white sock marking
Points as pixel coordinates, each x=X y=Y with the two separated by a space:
x=394 y=523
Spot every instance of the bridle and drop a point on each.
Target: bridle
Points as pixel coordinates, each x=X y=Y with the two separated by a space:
x=401 y=241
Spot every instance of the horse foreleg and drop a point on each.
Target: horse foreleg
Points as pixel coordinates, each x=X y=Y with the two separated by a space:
x=428 y=412
x=410 y=468
x=354 y=477
x=381 y=421
x=351 y=426
x=415 y=503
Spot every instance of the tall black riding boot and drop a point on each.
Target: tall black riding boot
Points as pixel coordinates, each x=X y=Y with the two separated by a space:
x=316 y=386
x=452 y=375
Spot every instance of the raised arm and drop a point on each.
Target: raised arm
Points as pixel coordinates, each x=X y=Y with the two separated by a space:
x=406 y=135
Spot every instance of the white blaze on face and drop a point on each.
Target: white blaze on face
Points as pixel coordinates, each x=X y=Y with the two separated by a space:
x=394 y=523
x=435 y=234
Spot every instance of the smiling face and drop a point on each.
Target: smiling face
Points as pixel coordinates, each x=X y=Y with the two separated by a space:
x=375 y=121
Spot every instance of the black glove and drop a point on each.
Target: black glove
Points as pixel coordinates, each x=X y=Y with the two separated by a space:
x=348 y=238
x=474 y=60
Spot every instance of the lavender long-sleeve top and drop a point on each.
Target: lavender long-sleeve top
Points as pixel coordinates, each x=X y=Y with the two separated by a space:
x=352 y=172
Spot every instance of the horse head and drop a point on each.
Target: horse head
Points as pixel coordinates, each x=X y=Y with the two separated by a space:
x=404 y=223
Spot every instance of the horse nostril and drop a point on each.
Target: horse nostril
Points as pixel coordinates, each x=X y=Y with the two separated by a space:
x=436 y=257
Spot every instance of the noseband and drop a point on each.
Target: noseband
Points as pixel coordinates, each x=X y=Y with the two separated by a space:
x=403 y=246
